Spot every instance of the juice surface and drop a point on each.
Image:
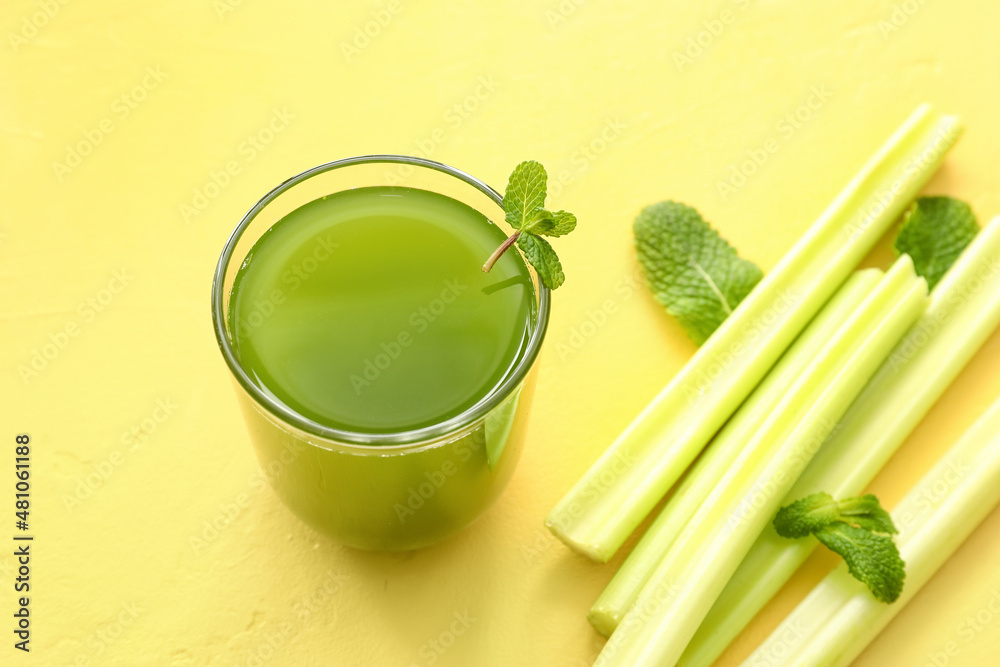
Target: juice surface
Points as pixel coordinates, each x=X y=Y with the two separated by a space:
x=367 y=310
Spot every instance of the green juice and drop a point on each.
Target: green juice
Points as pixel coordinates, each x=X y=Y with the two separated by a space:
x=367 y=311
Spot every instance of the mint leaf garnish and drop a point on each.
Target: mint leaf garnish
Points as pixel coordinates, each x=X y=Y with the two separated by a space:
x=540 y=255
x=858 y=529
x=806 y=515
x=693 y=271
x=872 y=558
x=525 y=193
x=866 y=512
x=562 y=223
x=538 y=221
x=523 y=204
x=935 y=232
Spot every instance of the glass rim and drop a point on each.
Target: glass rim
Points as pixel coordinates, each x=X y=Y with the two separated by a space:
x=397 y=440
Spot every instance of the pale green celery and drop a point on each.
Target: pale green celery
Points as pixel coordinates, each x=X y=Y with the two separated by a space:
x=693 y=572
x=624 y=588
x=615 y=495
x=964 y=309
x=934 y=518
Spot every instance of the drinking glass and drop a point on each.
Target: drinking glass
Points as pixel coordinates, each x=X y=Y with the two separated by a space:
x=386 y=491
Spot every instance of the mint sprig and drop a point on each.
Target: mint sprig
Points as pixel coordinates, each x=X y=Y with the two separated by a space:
x=693 y=271
x=935 y=232
x=524 y=210
x=858 y=529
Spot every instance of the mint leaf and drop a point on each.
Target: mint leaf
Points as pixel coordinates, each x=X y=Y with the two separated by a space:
x=538 y=221
x=692 y=270
x=563 y=223
x=867 y=513
x=858 y=529
x=540 y=255
x=935 y=232
x=523 y=204
x=525 y=193
x=806 y=515
x=872 y=558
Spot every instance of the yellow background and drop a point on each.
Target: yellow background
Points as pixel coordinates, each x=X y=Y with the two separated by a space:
x=596 y=92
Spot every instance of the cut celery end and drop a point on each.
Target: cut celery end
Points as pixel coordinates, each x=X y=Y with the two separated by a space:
x=624 y=588
x=929 y=534
x=692 y=574
x=596 y=517
x=964 y=310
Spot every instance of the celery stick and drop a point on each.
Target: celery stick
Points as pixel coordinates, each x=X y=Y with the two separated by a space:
x=621 y=593
x=708 y=551
x=965 y=487
x=620 y=489
x=964 y=309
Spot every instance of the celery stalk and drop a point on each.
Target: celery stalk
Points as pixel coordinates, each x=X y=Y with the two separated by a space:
x=708 y=551
x=965 y=487
x=619 y=490
x=624 y=588
x=964 y=309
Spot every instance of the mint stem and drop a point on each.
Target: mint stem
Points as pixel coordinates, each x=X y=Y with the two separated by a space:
x=500 y=251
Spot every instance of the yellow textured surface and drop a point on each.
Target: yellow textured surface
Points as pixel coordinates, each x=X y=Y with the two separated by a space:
x=156 y=100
